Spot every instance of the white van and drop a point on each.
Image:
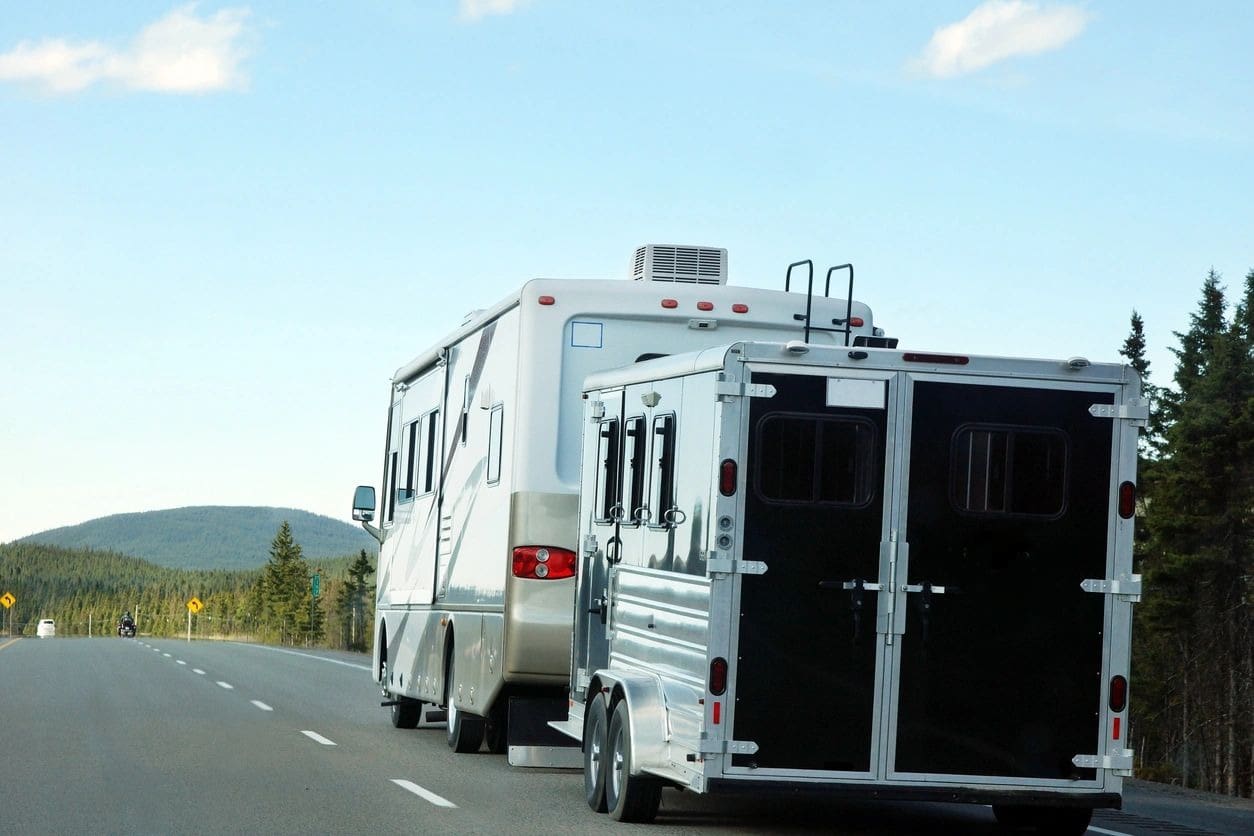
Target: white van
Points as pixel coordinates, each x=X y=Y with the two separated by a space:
x=47 y=628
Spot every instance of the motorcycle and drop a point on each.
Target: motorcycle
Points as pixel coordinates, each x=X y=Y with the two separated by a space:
x=127 y=629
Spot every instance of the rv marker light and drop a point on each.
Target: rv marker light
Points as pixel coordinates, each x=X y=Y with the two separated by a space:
x=546 y=300
x=857 y=321
x=670 y=303
x=1127 y=500
x=739 y=308
x=942 y=359
x=705 y=306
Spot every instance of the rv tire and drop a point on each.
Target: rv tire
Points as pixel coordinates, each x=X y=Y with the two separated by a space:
x=630 y=798
x=465 y=731
x=406 y=712
x=1056 y=821
x=496 y=728
x=595 y=754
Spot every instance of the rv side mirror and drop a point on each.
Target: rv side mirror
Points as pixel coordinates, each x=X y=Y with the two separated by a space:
x=363 y=504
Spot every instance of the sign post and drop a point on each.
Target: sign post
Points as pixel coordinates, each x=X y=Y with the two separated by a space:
x=315 y=586
x=193 y=606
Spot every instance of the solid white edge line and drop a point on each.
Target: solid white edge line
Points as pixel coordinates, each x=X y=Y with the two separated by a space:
x=261 y=705
x=1107 y=832
x=228 y=686
x=425 y=794
x=306 y=655
x=317 y=738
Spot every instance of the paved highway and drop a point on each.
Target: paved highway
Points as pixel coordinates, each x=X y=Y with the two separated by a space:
x=165 y=736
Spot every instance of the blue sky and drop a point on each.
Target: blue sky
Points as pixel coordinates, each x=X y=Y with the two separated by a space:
x=223 y=225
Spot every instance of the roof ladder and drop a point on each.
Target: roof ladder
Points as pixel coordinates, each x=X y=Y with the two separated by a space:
x=827 y=290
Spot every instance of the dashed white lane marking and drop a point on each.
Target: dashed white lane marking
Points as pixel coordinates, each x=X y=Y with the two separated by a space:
x=156 y=650
x=166 y=655
x=425 y=794
x=1106 y=832
x=317 y=738
x=180 y=661
x=228 y=686
x=198 y=670
x=261 y=705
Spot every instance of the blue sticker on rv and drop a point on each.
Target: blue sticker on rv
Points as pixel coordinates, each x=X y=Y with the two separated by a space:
x=587 y=334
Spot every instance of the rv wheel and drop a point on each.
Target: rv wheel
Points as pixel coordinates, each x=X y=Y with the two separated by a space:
x=465 y=731
x=406 y=712
x=595 y=743
x=628 y=797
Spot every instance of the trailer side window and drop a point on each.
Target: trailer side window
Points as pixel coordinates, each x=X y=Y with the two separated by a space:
x=433 y=421
x=815 y=460
x=606 y=496
x=662 y=473
x=998 y=470
x=496 y=434
x=634 y=471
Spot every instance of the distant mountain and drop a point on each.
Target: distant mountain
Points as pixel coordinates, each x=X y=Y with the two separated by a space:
x=209 y=537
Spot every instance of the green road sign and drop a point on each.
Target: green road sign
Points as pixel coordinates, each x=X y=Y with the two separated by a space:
x=315 y=584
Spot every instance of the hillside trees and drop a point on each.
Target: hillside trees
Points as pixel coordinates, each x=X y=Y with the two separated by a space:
x=1195 y=642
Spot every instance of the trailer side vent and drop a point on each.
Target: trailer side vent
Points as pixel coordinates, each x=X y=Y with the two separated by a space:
x=680 y=264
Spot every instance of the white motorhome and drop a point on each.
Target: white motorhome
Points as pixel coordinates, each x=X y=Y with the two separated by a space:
x=478 y=519
x=861 y=571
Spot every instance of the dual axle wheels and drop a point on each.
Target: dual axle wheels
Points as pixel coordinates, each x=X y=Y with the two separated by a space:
x=609 y=786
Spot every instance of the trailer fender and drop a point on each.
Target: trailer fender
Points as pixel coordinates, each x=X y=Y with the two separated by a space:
x=646 y=714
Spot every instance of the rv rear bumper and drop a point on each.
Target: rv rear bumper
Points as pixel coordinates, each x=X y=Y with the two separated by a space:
x=906 y=792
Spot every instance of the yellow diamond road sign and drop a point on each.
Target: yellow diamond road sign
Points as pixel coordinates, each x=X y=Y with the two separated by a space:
x=8 y=600
x=194 y=605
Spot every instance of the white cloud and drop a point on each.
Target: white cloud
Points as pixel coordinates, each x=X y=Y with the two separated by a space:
x=995 y=31
x=180 y=53
x=473 y=10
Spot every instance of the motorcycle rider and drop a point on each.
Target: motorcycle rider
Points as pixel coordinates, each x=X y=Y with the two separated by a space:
x=126 y=622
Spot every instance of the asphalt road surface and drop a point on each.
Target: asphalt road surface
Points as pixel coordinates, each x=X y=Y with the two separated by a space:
x=164 y=736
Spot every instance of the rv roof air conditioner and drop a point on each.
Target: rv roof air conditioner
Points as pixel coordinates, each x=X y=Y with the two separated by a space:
x=679 y=264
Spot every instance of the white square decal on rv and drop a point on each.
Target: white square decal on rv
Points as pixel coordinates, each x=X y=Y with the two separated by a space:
x=861 y=394
x=586 y=334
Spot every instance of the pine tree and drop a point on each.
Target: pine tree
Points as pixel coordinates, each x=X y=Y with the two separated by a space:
x=285 y=590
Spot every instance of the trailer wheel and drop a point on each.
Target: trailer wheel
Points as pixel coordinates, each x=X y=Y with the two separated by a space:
x=465 y=731
x=631 y=798
x=406 y=712
x=1056 y=821
x=595 y=754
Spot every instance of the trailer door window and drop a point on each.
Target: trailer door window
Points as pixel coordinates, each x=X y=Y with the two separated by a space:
x=606 y=496
x=496 y=434
x=634 y=473
x=662 y=473
x=1012 y=471
x=815 y=460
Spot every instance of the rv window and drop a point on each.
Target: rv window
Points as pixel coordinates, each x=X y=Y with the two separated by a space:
x=433 y=419
x=496 y=431
x=662 y=473
x=816 y=460
x=410 y=456
x=392 y=461
x=634 y=471
x=1009 y=471
x=465 y=410
x=606 y=497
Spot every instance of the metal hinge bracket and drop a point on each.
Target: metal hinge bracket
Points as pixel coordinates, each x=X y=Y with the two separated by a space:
x=1120 y=764
x=589 y=544
x=1127 y=587
x=728 y=747
x=1135 y=410
x=744 y=390
x=596 y=410
x=727 y=566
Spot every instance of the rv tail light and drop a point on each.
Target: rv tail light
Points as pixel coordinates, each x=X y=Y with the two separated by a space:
x=1127 y=500
x=1118 y=693
x=857 y=321
x=546 y=300
x=705 y=306
x=727 y=477
x=543 y=563
x=718 y=676
x=670 y=303
x=739 y=308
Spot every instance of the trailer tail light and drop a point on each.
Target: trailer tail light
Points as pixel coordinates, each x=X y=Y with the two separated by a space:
x=546 y=300
x=857 y=321
x=1118 y=693
x=739 y=308
x=705 y=306
x=727 y=477
x=546 y=563
x=718 y=676
x=670 y=303
x=1115 y=729
x=1127 y=500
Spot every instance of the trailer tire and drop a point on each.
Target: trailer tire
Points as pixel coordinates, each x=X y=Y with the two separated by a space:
x=630 y=798
x=406 y=712
x=465 y=731
x=596 y=754
x=1056 y=821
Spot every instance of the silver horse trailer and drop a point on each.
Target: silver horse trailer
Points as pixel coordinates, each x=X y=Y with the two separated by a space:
x=861 y=571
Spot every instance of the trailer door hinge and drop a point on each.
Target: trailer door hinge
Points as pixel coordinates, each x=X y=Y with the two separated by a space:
x=1120 y=764
x=1135 y=410
x=596 y=410
x=1126 y=587
x=725 y=389
x=589 y=544
x=728 y=747
x=728 y=566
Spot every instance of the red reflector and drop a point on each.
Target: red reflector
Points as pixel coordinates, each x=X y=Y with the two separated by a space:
x=1118 y=693
x=857 y=321
x=739 y=308
x=670 y=303
x=705 y=306
x=1127 y=500
x=727 y=477
x=718 y=676
x=547 y=563
x=547 y=300
x=1114 y=734
x=718 y=713
x=944 y=359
